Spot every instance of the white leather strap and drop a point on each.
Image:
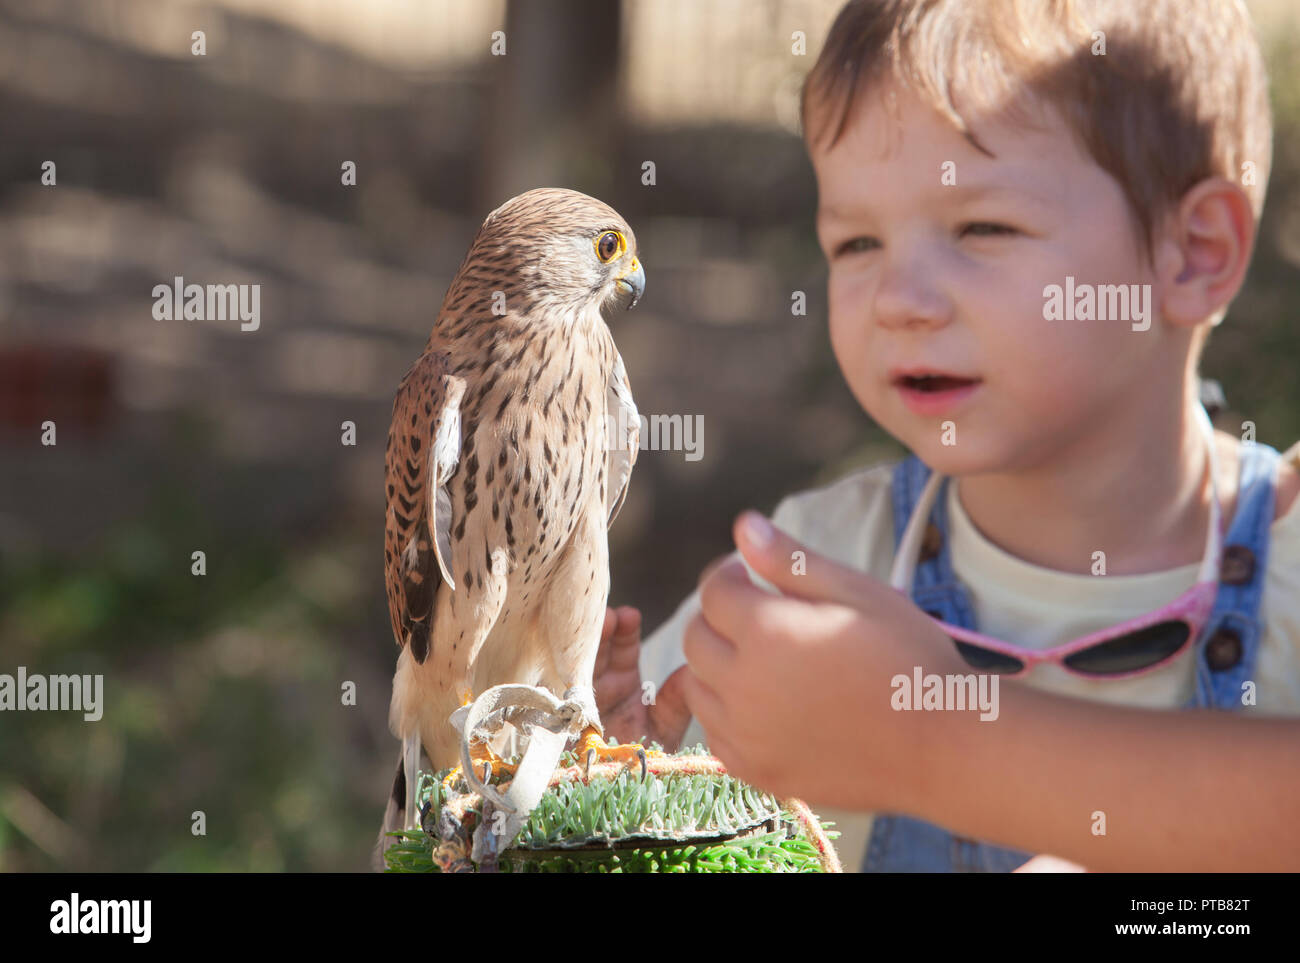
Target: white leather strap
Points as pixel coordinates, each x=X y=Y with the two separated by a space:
x=546 y=723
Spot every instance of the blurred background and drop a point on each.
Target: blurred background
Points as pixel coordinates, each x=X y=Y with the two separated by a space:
x=223 y=692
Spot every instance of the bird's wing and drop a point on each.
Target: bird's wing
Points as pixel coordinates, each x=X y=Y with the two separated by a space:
x=622 y=451
x=423 y=452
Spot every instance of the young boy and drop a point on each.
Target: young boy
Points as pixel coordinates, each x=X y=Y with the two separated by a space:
x=1032 y=214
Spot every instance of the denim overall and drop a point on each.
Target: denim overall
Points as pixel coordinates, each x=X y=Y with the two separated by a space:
x=1225 y=652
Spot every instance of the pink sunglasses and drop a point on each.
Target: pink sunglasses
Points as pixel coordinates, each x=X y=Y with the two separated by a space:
x=1122 y=651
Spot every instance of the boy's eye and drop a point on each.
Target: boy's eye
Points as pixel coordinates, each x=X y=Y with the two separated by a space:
x=986 y=229
x=857 y=245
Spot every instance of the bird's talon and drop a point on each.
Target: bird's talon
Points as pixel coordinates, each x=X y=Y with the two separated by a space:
x=591 y=755
x=645 y=766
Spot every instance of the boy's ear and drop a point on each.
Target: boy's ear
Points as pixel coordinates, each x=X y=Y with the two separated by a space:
x=1204 y=251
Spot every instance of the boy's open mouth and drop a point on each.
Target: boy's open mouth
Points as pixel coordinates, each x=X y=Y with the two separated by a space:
x=934 y=383
x=933 y=392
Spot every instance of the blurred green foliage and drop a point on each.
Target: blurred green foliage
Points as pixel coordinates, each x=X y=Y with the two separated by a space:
x=222 y=694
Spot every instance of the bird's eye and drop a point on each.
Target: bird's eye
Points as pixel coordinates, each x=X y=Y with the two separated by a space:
x=609 y=245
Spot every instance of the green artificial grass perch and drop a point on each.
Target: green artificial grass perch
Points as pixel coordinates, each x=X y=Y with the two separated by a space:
x=687 y=815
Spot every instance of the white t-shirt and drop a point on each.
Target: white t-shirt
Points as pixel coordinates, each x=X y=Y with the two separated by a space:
x=851 y=521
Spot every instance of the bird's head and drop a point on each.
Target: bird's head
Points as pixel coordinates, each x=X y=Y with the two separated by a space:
x=560 y=252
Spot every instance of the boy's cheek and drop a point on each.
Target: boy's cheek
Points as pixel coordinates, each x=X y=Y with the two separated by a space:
x=847 y=329
x=851 y=343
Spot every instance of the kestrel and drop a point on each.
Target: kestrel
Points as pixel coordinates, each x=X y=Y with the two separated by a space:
x=501 y=482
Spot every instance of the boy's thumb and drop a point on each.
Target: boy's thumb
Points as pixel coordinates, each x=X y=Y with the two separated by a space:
x=790 y=566
x=673 y=691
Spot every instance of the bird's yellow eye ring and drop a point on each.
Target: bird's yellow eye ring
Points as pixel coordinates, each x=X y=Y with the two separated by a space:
x=609 y=245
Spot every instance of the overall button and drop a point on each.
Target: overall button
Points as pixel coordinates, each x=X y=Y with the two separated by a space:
x=1223 y=650
x=1238 y=565
x=931 y=543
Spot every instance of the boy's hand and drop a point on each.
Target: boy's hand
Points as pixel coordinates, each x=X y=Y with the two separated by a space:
x=630 y=710
x=1049 y=864
x=793 y=690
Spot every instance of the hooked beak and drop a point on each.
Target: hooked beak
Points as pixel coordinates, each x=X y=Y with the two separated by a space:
x=633 y=282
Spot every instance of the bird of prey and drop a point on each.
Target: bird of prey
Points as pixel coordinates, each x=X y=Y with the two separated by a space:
x=500 y=482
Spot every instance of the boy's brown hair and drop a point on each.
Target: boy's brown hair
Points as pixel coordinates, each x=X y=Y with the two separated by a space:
x=1178 y=95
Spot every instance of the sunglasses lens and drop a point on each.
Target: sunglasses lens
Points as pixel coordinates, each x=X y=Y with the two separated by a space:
x=988 y=660
x=1132 y=651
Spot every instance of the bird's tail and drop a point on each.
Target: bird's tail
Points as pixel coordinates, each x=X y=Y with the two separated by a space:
x=400 y=810
x=394 y=817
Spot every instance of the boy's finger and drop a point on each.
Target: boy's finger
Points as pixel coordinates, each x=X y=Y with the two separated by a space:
x=711 y=657
x=809 y=575
x=671 y=696
x=668 y=714
x=704 y=703
x=624 y=648
x=739 y=610
x=709 y=569
x=726 y=753
x=628 y=627
x=711 y=713
x=605 y=651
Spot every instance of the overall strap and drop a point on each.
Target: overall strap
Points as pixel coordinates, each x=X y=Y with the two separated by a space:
x=935 y=588
x=1229 y=645
x=901 y=843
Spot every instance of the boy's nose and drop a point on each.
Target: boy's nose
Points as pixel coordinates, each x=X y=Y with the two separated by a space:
x=907 y=298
